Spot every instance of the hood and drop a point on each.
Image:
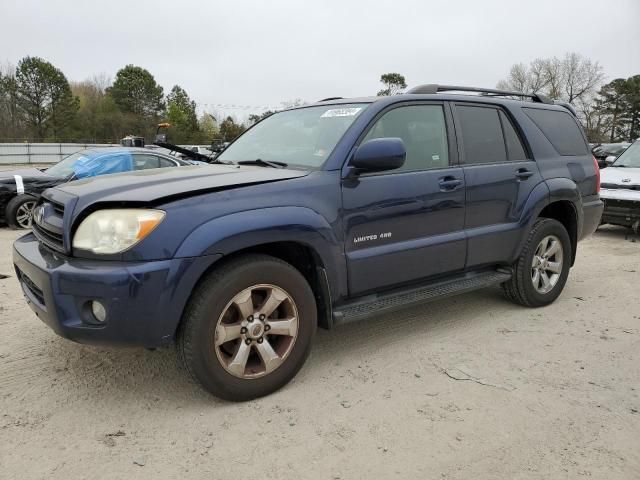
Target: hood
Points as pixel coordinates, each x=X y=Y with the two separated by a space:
x=162 y=184
x=620 y=177
x=26 y=180
x=25 y=173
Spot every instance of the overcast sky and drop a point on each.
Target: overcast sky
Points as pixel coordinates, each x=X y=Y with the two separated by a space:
x=265 y=52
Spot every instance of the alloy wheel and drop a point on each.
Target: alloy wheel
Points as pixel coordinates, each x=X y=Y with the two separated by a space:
x=256 y=331
x=546 y=266
x=24 y=214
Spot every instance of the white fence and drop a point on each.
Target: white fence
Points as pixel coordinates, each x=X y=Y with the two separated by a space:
x=38 y=153
x=24 y=153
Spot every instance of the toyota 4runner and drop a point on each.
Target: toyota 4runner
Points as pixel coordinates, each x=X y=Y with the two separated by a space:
x=316 y=216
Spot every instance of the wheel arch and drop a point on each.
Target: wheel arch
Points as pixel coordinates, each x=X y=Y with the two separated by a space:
x=296 y=235
x=565 y=212
x=556 y=198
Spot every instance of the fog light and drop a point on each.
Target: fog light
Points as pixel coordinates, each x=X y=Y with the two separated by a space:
x=98 y=311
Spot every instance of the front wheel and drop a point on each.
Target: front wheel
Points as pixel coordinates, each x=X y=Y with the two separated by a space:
x=541 y=271
x=19 y=211
x=248 y=327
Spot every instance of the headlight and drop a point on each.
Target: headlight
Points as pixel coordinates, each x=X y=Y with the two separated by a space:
x=115 y=230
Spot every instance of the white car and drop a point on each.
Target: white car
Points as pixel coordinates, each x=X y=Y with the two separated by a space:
x=200 y=149
x=620 y=189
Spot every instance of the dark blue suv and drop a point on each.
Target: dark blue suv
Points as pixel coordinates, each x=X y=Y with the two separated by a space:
x=317 y=215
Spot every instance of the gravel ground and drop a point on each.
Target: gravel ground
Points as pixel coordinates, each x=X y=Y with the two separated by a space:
x=467 y=388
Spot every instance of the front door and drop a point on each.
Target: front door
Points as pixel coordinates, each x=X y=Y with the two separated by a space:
x=407 y=224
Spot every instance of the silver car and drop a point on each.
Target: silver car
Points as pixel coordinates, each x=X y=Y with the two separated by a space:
x=620 y=189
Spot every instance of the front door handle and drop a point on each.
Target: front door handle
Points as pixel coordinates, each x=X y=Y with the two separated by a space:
x=523 y=173
x=449 y=183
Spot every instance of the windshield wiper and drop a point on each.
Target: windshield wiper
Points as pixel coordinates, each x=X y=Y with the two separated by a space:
x=263 y=163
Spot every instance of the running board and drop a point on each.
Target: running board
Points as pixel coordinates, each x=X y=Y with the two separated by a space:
x=383 y=303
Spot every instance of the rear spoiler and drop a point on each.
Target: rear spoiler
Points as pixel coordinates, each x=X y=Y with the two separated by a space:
x=568 y=106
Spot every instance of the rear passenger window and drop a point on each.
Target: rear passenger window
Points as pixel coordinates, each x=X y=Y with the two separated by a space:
x=165 y=162
x=422 y=129
x=515 y=150
x=145 y=162
x=561 y=130
x=481 y=135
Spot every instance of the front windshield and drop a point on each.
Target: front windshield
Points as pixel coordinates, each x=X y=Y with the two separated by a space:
x=64 y=168
x=630 y=158
x=302 y=137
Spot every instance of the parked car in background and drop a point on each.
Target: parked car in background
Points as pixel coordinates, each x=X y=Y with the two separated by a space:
x=197 y=149
x=606 y=153
x=19 y=189
x=201 y=149
x=316 y=216
x=621 y=189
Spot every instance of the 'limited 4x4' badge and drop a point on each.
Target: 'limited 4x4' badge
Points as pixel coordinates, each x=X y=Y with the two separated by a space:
x=369 y=238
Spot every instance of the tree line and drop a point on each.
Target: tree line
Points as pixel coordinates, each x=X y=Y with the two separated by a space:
x=609 y=112
x=38 y=103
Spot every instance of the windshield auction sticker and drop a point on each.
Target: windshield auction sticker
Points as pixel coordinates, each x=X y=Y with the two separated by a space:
x=342 y=112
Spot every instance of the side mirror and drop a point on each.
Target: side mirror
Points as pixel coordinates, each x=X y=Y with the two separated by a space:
x=379 y=154
x=610 y=159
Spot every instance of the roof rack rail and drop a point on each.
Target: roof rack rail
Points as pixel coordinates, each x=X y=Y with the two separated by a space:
x=330 y=98
x=432 y=88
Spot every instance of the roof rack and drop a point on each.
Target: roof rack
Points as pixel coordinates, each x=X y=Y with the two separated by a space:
x=432 y=88
x=330 y=98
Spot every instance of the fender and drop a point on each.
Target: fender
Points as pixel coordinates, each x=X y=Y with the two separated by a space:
x=545 y=193
x=231 y=233
x=566 y=189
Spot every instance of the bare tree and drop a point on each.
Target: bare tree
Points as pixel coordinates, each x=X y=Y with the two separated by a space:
x=580 y=75
x=523 y=78
x=569 y=79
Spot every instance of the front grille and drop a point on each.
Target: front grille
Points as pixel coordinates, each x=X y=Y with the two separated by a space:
x=31 y=287
x=621 y=204
x=48 y=229
x=51 y=239
x=615 y=186
x=59 y=209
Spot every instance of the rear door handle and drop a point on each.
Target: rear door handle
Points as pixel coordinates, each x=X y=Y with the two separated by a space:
x=523 y=173
x=449 y=183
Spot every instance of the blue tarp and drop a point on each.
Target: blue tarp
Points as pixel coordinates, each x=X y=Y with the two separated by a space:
x=102 y=165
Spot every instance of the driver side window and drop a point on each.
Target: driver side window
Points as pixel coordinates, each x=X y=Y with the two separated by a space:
x=423 y=131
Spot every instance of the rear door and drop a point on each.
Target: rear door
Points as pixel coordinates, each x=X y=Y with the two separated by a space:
x=499 y=174
x=406 y=224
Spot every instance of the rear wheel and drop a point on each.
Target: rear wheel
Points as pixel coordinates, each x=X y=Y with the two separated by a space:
x=248 y=328
x=19 y=211
x=542 y=269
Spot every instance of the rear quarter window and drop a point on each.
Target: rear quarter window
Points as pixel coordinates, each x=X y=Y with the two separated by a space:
x=561 y=129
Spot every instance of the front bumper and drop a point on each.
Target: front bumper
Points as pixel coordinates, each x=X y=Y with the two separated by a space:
x=144 y=300
x=621 y=207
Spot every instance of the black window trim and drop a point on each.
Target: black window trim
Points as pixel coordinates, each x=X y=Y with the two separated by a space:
x=449 y=127
x=498 y=108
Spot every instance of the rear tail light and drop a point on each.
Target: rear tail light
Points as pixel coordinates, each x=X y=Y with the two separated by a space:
x=595 y=164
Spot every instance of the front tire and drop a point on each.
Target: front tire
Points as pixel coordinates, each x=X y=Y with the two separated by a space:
x=541 y=271
x=19 y=211
x=248 y=327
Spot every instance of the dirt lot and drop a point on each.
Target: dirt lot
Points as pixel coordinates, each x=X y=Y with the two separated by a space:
x=467 y=388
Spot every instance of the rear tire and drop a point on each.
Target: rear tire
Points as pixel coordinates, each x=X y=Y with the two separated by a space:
x=19 y=210
x=224 y=340
x=541 y=271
